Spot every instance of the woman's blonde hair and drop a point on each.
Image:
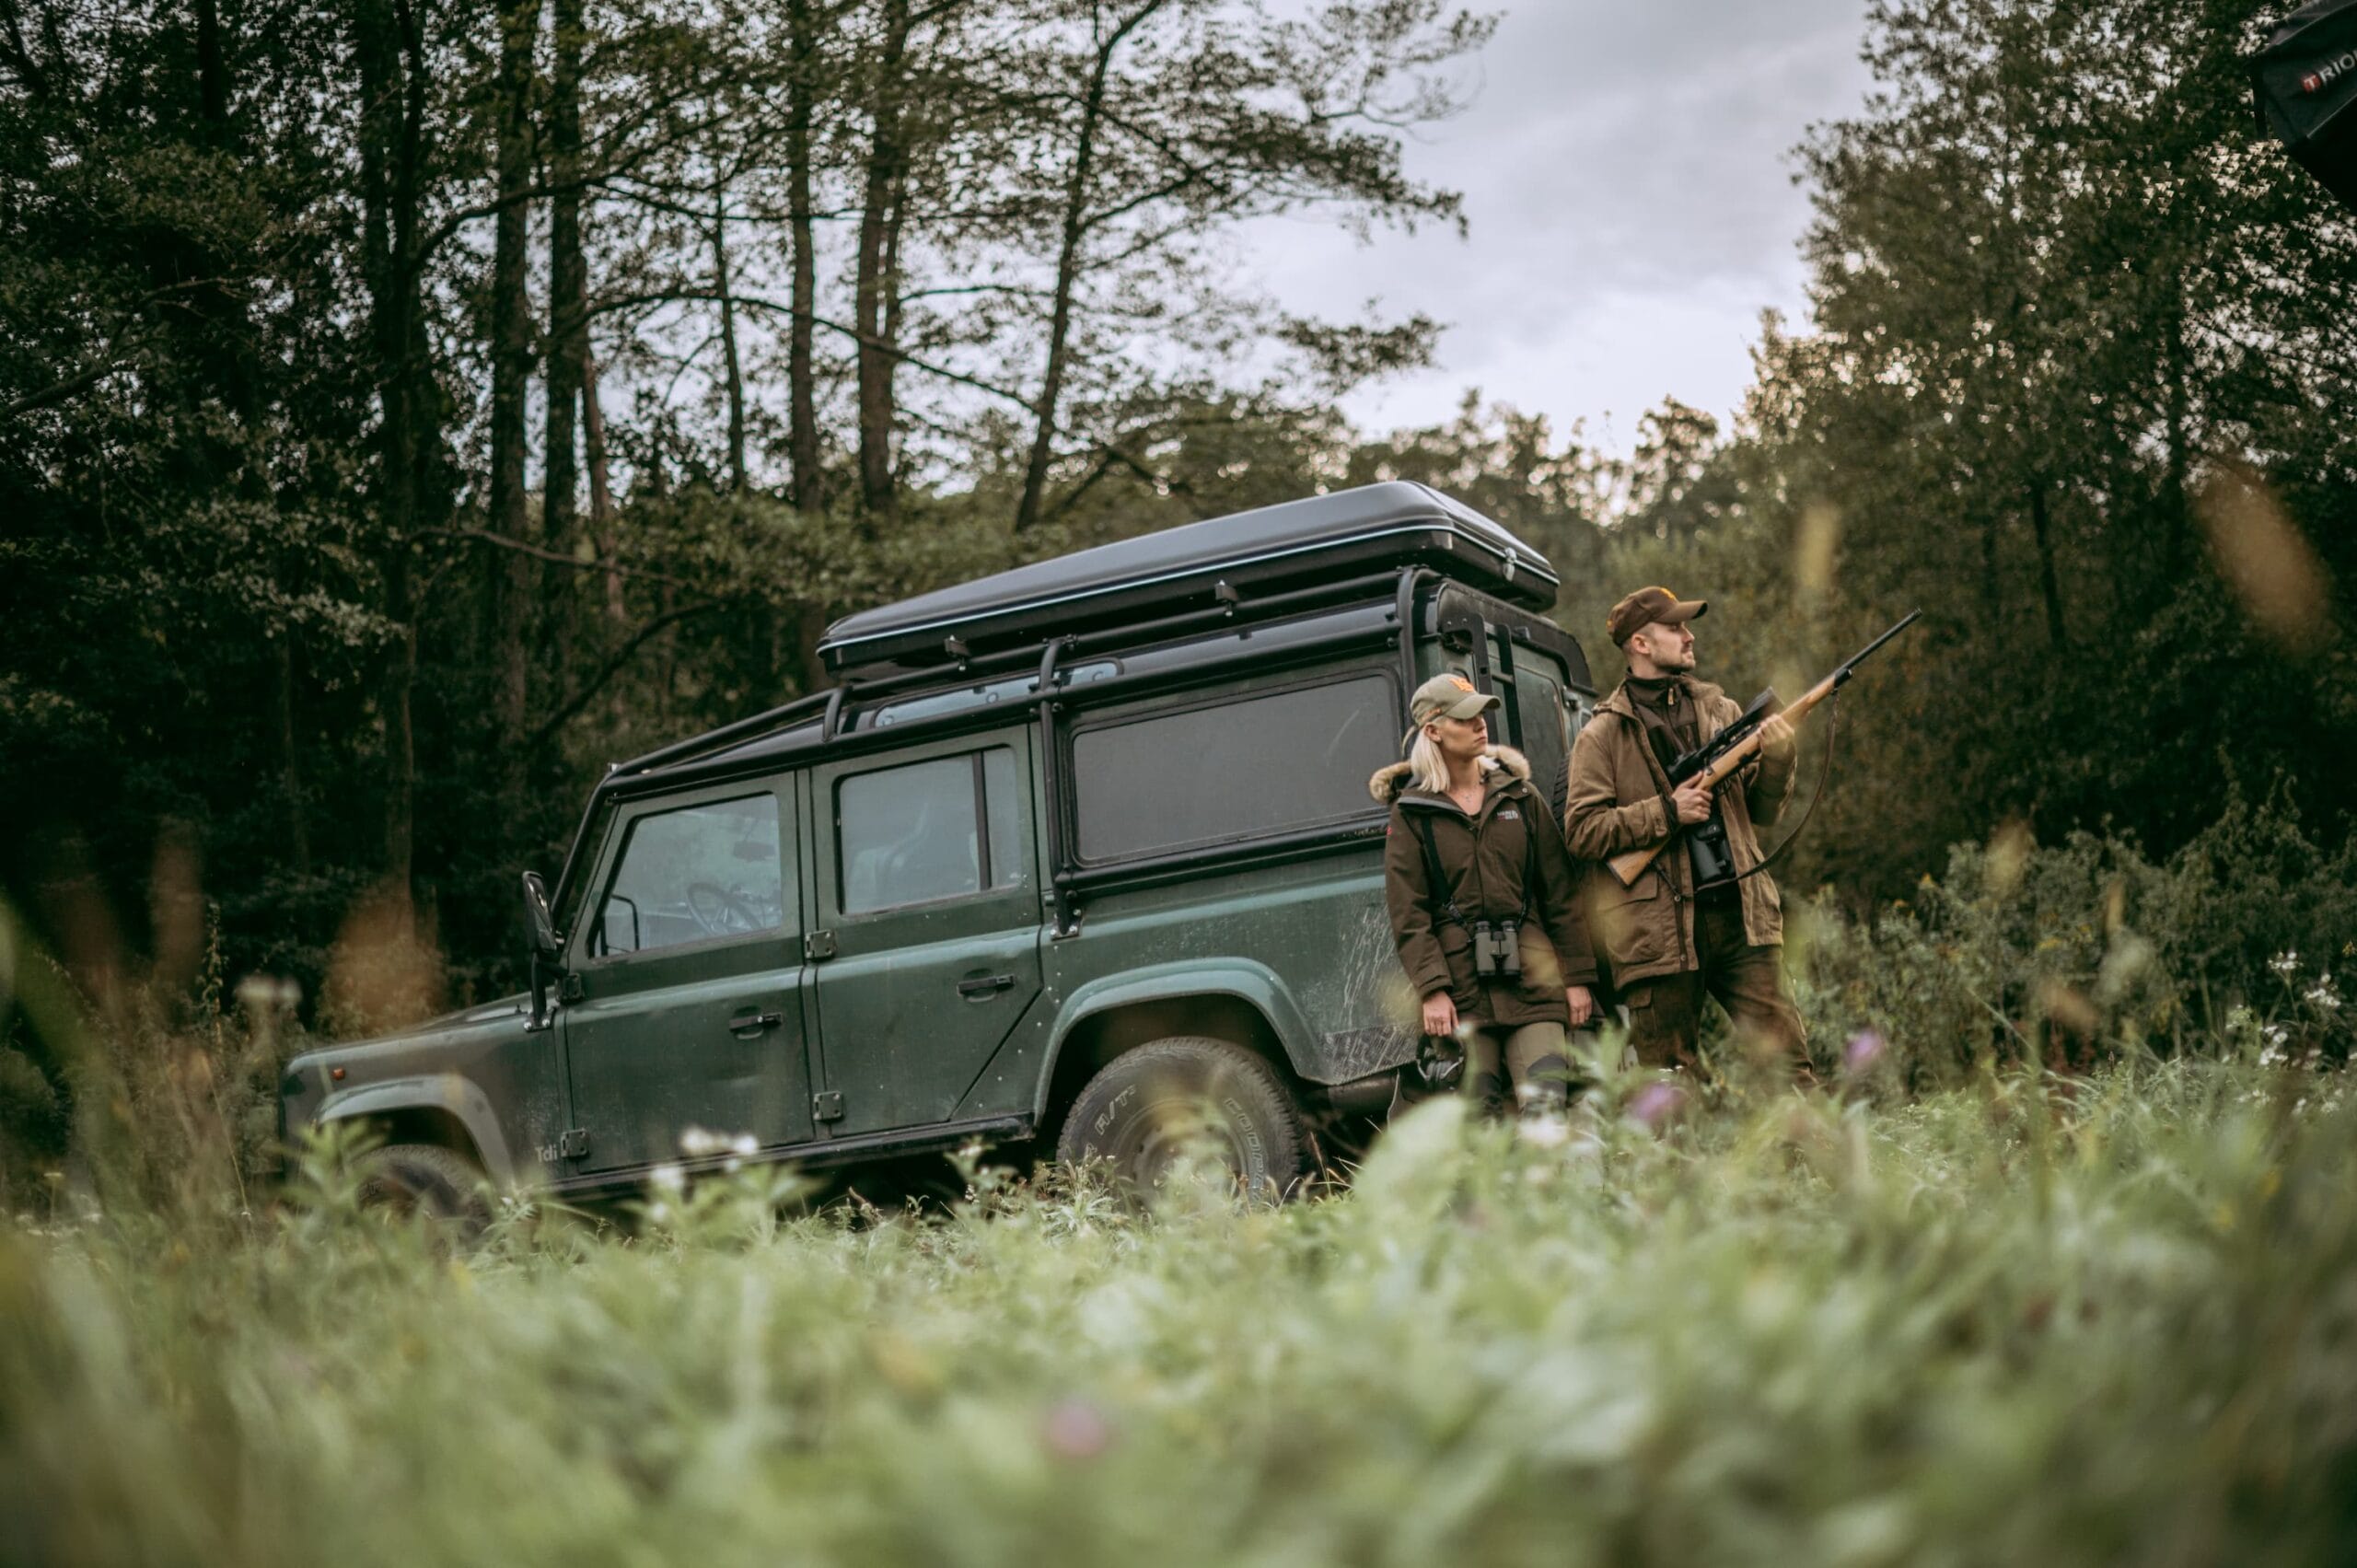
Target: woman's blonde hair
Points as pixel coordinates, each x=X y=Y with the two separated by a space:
x=1425 y=764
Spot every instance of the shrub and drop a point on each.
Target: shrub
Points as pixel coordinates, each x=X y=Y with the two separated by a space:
x=2082 y=951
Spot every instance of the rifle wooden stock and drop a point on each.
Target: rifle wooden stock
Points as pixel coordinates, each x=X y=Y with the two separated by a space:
x=1630 y=865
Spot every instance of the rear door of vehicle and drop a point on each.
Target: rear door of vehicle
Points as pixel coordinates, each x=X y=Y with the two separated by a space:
x=690 y=971
x=928 y=917
x=1531 y=684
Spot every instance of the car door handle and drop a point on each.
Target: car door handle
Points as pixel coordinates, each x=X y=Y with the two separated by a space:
x=988 y=985
x=745 y=1026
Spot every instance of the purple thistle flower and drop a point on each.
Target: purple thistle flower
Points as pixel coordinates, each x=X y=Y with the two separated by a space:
x=1866 y=1048
x=1074 y=1430
x=1655 y=1104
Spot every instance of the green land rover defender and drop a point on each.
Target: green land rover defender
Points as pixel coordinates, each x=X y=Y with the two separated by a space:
x=1082 y=852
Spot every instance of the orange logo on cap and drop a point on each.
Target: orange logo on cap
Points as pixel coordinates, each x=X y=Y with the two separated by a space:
x=1461 y=683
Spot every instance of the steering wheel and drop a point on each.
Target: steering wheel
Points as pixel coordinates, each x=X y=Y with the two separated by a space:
x=720 y=911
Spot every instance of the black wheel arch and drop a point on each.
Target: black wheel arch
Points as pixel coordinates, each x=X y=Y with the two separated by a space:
x=1096 y=1041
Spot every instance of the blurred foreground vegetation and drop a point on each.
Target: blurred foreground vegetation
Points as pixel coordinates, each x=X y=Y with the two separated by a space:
x=2062 y=1270
x=2103 y=1320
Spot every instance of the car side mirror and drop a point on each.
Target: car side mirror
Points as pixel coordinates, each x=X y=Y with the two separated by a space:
x=545 y=948
x=537 y=917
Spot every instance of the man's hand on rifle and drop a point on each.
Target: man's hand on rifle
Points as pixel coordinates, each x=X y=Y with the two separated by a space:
x=1692 y=799
x=1440 y=1014
x=1776 y=738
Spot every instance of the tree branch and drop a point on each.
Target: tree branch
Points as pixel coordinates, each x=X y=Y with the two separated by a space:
x=615 y=666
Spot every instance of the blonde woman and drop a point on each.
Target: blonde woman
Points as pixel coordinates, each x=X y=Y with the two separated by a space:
x=1483 y=898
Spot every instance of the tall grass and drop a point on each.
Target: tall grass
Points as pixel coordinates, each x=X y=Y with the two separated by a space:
x=2096 y=1321
x=2064 y=1270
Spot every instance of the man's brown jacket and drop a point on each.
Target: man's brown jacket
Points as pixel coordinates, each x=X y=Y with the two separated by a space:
x=1619 y=800
x=1484 y=857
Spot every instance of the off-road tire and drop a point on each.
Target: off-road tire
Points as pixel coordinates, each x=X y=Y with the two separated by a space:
x=423 y=1179
x=1150 y=1104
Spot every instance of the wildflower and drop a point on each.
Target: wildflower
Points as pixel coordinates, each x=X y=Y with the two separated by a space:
x=1543 y=1132
x=1074 y=1430
x=2284 y=964
x=1866 y=1048
x=668 y=1178
x=2322 y=995
x=1655 y=1104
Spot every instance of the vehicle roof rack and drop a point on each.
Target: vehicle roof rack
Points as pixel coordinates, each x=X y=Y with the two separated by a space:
x=1215 y=565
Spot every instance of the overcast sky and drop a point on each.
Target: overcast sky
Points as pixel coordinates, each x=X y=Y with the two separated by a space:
x=1628 y=182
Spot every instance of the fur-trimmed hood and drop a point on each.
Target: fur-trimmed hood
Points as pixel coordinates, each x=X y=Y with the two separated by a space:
x=1390 y=783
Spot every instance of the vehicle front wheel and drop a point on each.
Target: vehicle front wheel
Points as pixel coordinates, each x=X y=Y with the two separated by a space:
x=405 y=1179
x=1188 y=1097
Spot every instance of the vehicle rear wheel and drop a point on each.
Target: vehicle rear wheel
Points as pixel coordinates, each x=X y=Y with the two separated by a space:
x=402 y=1181
x=1189 y=1096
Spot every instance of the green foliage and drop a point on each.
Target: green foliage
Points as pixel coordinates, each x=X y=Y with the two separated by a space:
x=2098 y=1323
x=2086 y=951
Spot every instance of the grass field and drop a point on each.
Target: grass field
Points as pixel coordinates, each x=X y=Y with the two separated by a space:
x=2110 y=1319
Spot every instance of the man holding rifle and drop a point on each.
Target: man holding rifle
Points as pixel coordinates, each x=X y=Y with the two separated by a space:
x=1703 y=916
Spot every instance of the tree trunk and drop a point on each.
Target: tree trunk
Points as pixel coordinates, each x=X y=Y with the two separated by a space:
x=1076 y=229
x=290 y=756
x=2176 y=521
x=885 y=161
x=2049 y=586
x=568 y=334
x=212 y=72
x=568 y=284
x=801 y=374
x=511 y=369
x=602 y=491
x=734 y=371
x=412 y=490
x=1993 y=598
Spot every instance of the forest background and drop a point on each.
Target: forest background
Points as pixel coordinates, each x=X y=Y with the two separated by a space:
x=411 y=406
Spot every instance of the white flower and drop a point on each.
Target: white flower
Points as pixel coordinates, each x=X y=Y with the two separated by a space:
x=700 y=1143
x=2324 y=995
x=2284 y=963
x=668 y=1178
x=1543 y=1132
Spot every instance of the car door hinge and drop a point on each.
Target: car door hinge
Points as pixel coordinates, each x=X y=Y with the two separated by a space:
x=574 y=1144
x=571 y=989
x=818 y=945
x=828 y=1107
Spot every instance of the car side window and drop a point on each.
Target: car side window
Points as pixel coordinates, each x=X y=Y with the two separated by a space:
x=1203 y=776
x=928 y=830
x=694 y=873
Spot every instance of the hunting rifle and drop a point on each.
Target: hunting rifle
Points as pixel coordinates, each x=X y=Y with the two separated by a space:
x=1721 y=755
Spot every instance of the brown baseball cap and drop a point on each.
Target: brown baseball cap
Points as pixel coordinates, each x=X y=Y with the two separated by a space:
x=1646 y=606
x=1452 y=695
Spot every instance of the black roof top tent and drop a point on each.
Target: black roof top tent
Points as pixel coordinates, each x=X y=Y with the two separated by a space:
x=2304 y=83
x=1196 y=565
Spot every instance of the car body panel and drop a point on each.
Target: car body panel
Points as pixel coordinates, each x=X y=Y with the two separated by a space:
x=656 y=1041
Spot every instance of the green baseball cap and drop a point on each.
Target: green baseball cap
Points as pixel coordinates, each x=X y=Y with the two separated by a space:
x=1445 y=696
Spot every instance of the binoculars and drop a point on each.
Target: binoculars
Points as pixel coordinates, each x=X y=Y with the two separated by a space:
x=1497 y=949
x=1712 y=856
